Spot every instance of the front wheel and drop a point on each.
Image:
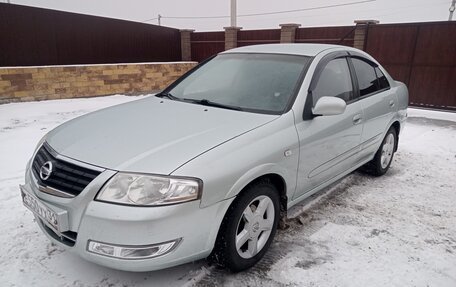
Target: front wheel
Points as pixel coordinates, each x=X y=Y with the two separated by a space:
x=248 y=227
x=384 y=156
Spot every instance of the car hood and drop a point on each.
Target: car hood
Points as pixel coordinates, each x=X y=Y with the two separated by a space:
x=151 y=135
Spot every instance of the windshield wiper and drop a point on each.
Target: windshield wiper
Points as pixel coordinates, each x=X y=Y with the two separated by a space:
x=205 y=102
x=167 y=95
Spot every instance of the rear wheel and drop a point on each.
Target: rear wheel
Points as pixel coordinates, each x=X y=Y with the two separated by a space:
x=248 y=227
x=384 y=156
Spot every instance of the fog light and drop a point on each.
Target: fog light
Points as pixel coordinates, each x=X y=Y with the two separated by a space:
x=132 y=252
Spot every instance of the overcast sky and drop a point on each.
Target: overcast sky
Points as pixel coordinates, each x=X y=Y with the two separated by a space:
x=387 y=11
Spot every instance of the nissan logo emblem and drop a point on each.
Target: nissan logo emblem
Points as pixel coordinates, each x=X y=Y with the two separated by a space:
x=46 y=170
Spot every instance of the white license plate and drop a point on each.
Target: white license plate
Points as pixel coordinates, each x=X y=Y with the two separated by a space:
x=48 y=216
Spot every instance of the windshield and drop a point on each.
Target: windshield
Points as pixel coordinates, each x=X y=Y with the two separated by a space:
x=250 y=82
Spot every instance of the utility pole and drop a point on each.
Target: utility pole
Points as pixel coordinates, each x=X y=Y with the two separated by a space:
x=233 y=13
x=159 y=19
x=452 y=8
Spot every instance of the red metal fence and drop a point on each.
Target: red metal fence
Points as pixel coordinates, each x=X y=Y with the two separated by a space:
x=423 y=56
x=206 y=44
x=255 y=37
x=33 y=36
x=326 y=35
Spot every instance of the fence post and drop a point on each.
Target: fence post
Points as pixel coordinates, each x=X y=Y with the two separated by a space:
x=231 y=34
x=186 y=44
x=361 y=31
x=288 y=32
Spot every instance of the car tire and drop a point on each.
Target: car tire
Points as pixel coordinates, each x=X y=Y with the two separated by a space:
x=384 y=155
x=248 y=227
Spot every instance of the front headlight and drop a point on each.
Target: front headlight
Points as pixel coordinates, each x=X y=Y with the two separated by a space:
x=149 y=190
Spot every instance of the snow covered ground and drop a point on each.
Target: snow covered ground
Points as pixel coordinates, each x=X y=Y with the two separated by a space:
x=397 y=230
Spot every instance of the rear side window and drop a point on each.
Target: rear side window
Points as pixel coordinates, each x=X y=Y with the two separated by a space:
x=382 y=80
x=367 y=77
x=334 y=81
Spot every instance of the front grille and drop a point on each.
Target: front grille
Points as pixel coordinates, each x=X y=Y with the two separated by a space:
x=65 y=177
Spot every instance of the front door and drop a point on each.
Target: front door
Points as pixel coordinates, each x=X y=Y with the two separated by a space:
x=329 y=145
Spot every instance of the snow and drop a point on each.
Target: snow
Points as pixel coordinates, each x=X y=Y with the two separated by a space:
x=395 y=230
x=431 y=114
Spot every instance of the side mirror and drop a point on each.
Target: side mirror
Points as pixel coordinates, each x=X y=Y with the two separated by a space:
x=329 y=106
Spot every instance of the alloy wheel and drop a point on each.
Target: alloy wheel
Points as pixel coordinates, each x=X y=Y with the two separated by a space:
x=255 y=226
x=387 y=151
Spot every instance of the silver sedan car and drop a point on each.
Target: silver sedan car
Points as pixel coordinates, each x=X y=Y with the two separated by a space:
x=207 y=167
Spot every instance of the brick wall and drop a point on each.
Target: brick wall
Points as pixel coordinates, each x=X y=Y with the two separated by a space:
x=61 y=82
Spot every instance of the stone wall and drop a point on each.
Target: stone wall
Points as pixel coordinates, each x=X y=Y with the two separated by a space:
x=62 y=82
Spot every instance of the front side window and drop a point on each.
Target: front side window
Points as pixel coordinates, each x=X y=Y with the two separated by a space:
x=252 y=82
x=367 y=78
x=334 y=81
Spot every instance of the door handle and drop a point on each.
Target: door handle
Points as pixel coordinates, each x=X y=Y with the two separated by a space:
x=357 y=119
x=391 y=103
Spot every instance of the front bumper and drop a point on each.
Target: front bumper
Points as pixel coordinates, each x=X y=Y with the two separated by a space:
x=132 y=226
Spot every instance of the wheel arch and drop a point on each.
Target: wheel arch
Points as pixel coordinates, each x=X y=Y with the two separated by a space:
x=217 y=255
x=397 y=126
x=278 y=182
x=282 y=180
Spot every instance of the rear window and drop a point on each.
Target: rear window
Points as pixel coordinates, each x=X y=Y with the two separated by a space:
x=367 y=78
x=382 y=80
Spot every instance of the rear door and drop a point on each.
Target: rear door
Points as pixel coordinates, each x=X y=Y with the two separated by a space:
x=377 y=100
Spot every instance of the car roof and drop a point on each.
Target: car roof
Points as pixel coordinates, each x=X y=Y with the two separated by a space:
x=290 y=49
